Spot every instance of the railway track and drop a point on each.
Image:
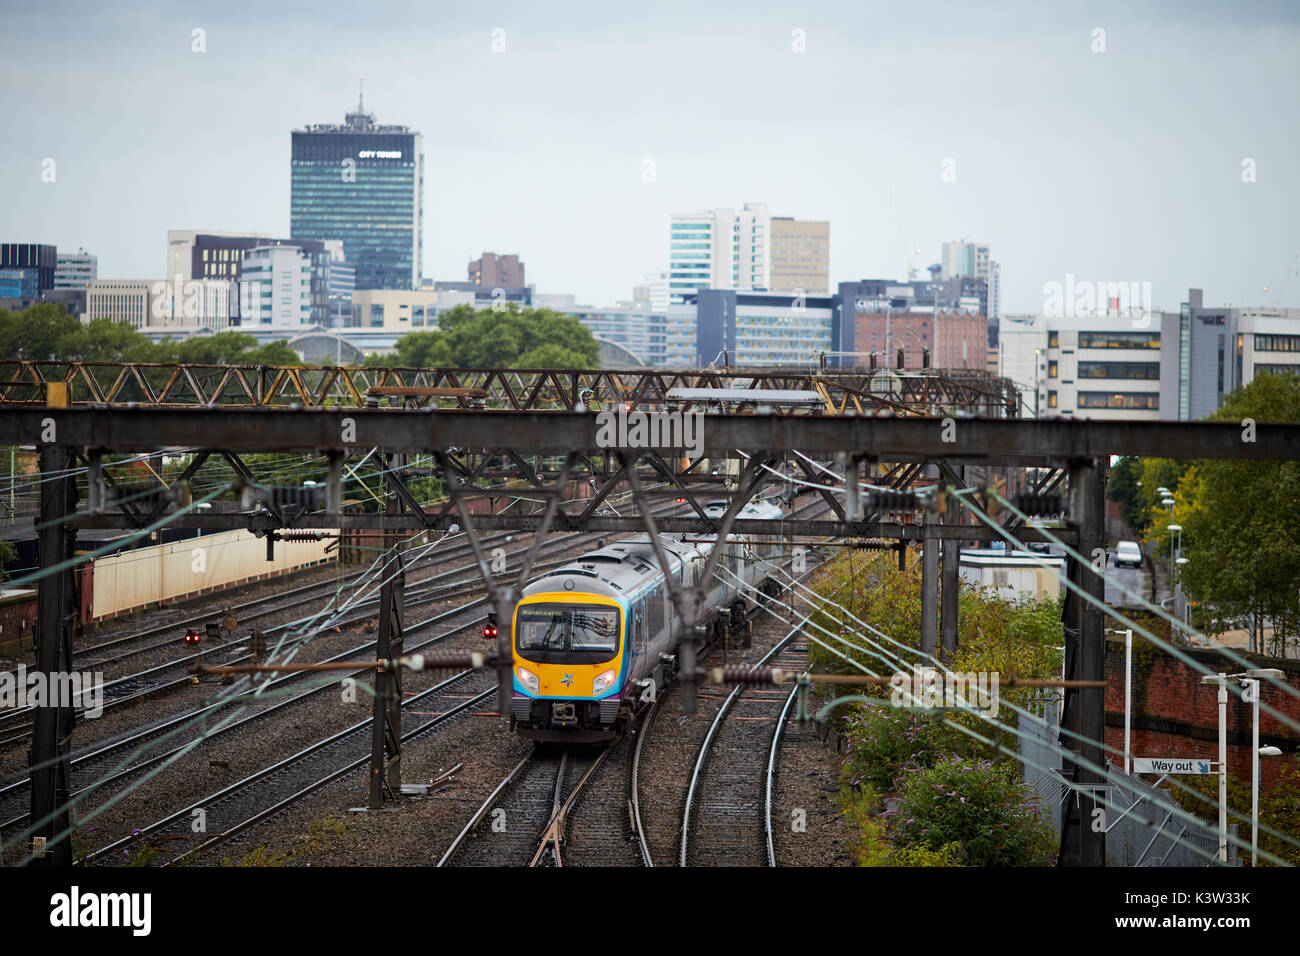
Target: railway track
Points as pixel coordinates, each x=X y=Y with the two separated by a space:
x=726 y=819
x=526 y=814
x=253 y=799
x=269 y=605
x=459 y=621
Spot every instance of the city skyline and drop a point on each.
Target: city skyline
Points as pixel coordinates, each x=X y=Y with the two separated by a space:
x=1071 y=174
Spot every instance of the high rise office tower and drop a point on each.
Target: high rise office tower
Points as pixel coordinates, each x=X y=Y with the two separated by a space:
x=801 y=255
x=277 y=287
x=965 y=259
x=363 y=183
x=750 y=250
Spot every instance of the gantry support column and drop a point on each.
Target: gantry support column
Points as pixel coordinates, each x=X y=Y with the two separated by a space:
x=1083 y=836
x=930 y=577
x=951 y=575
x=56 y=610
x=386 y=742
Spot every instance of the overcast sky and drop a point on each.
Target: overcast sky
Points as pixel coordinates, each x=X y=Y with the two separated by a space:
x=1123 y=165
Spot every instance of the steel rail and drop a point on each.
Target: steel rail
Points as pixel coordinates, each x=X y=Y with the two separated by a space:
x=482 y=811
x=772 y=758
x=284 y=804
x=554 y=830
x=702 y=757
x=262 y=774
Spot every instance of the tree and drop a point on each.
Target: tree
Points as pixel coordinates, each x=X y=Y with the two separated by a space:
x=505 y=338
x=1241 y=526
x=103 y=340
x=45 y=332
x=34 y=333
x=272 y=353
x=552 y=355
x=420 y=350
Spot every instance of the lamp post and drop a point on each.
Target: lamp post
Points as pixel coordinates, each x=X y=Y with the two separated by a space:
x=1180 y=602
x=1169 y=503
x=1250 y=691
x=1175 y=586
x=1222 y=681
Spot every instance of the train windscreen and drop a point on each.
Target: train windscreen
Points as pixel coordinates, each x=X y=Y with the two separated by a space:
x=566 y=633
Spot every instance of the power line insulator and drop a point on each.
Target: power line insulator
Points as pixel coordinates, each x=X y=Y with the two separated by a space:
x=1039 y=504
x=879 y=502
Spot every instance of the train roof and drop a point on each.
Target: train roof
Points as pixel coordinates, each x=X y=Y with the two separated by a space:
x=617 y=569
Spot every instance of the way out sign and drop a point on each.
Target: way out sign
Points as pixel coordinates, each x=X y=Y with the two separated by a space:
x=1173 y=765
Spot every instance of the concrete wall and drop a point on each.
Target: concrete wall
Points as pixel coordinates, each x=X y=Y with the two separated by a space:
x=168 y=572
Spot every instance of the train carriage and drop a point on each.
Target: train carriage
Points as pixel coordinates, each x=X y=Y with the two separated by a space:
x=595 y=640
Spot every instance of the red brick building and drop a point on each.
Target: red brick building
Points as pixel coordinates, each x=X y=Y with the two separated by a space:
x=954 y=339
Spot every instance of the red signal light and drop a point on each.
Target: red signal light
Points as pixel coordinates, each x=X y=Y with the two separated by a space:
x=489 y=630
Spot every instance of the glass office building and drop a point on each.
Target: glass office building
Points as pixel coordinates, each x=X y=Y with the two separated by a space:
x=364 y=184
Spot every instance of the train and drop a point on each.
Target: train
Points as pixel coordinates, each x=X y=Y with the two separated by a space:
x=594 y=641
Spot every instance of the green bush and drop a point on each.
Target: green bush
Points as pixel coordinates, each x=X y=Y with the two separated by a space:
x=981 y=807
x=882 y=740
x=875 y=849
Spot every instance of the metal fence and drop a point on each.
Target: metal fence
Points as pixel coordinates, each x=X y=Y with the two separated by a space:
x=1142 y=829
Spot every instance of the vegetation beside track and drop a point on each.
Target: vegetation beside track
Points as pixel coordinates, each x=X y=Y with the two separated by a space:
x=919 y=789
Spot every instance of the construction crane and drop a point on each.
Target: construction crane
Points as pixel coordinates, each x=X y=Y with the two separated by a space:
x=907 y=250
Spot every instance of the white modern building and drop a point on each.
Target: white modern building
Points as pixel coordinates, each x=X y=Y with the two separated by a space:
x=276 y=287
x=75 y=270
x=134 y=301
x=1269 y=342
x=725 y=249
x=1103 y=367
x=194 y=305
x=1147 y=364
x=995 y=292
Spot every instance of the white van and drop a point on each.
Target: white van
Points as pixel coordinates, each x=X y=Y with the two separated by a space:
x=1128 y=555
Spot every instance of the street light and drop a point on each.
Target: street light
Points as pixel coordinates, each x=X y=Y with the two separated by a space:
x=1222 y=681
x=1250 y=691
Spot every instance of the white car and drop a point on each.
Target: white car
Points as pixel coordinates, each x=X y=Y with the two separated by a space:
x=1128 y=555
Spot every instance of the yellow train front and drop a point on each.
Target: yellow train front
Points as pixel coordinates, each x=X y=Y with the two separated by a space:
x=593 y=641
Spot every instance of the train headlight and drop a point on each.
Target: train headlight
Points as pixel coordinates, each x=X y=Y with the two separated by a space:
x=529 y=680
x=603 y=681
